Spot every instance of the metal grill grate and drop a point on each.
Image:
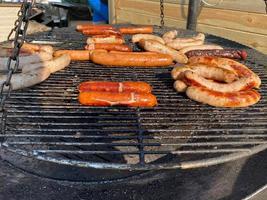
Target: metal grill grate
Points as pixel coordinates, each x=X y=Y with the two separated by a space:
x=47 y=122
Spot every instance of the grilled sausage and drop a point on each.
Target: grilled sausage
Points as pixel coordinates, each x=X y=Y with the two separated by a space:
x=155 y=46
x=128 y=86
x=200 y=47
x=209 y=72
x=81 y=27
x=225 y=53
x=107 y=39
x=75 y=55
x=180 y=86
x=54 y=65
x=24 y=80
x=109 y=47
x=240 y=69
x=131 y=59
x=37 y=48
x=138 y=37
x=179 y=45
x=219 y=99
x=24 y=60
x=169 y=36
x=100 y=32
x=244 y=83
x=199 y=36
x=136 y=30
x=115 y=98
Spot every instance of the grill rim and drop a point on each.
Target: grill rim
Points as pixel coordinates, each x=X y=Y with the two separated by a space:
x=182 y=165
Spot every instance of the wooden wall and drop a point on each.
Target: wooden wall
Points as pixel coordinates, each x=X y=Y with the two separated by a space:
x=244 y=21
x=8 y=15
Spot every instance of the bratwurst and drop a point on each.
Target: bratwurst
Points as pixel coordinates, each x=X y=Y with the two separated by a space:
x=130 y=99
x=220 y=99
x=131 y=59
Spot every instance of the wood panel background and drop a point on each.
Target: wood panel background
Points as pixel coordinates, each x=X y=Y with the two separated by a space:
x=8 y=15
x=244 y=21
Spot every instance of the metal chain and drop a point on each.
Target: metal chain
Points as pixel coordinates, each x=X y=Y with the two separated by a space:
x=161 y=13
x=20 y=28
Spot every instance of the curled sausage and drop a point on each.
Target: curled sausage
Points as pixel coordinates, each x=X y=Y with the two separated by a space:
x=219 y=99
x=240 y=69
x=138 y=37
x=24 y=80
x=244 y=83
x=109 y=47
x=115 y=98
x=131 y=59
x=155 y=46
x=209 y=72
x=107 y=86
x=75 y=55
x=136 y=30
x=107 y=39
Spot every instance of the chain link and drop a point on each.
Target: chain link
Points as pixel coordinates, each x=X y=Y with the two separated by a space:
x=20 y=28
x=161 y=13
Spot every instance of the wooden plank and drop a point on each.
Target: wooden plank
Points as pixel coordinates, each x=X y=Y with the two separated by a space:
x=253 y=40
x=7 y=21
x=111 y=11
x=256 y=6
x=250 y=22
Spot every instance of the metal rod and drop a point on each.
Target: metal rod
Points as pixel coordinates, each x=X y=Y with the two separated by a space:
x=193 y=9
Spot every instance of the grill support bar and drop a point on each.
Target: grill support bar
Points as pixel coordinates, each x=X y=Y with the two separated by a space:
x=193 y=9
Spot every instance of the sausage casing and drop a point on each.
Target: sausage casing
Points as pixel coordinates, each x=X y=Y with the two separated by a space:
x=107 y=86
x=125 y=59
x=130 y=99
x=220 y=99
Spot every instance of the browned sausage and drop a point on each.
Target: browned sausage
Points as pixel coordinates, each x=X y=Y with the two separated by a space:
x=219 y=99
x=244 y=83
x=155 y=46
x=240 y=69
x=75 y=55
x=136 y=30
x=200 y=47
x=100 y=32
x=115 y=98
x=81 y=27
x=138 y=37
x=109 y=47
x=107 y=39
x=209 y=72
x=225 y=53
x=125 y=59
x=107 y=86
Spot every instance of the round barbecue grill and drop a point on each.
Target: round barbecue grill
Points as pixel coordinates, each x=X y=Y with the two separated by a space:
x=46 y=122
